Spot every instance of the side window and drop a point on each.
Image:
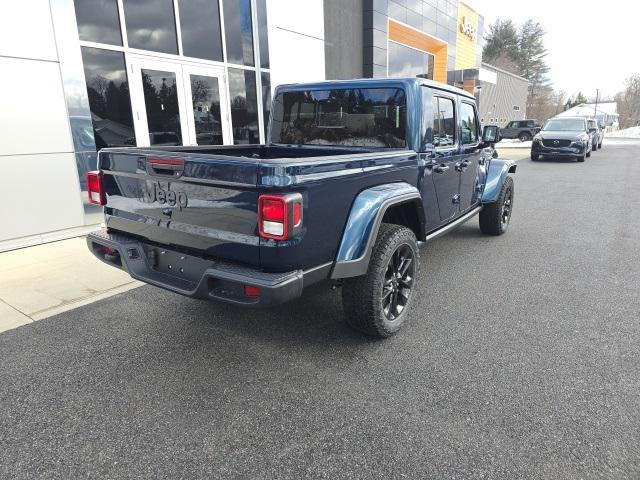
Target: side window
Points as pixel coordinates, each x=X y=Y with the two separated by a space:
x=511 y=125
x=468 y=123
x=444 y=122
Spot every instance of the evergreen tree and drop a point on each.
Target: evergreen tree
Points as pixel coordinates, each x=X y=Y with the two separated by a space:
x=501 y=42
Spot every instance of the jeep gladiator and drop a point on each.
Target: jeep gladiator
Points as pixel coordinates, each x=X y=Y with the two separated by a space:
x=354 y=176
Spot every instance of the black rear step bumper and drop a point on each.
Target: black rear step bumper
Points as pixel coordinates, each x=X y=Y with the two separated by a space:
x=198 y=277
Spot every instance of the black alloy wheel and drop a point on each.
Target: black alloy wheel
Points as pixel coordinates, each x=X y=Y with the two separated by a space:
x=507 y=203
x=495 y=216
x=398 y=282
x=379 y=302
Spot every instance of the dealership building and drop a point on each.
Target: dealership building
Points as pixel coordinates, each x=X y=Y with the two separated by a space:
x=86 y=74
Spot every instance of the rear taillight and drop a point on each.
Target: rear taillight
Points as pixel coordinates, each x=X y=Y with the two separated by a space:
x=279 y=216
x=251 y=291
x=95 y=189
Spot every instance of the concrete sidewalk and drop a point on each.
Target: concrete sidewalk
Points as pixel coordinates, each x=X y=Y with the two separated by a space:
x=513 y=153
x=44 y=280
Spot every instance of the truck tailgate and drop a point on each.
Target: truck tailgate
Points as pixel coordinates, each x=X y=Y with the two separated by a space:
x=202 y=203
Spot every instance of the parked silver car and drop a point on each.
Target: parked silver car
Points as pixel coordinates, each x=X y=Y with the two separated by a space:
x=596 y=132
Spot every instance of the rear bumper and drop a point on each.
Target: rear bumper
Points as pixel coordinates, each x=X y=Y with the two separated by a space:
x=198 y=277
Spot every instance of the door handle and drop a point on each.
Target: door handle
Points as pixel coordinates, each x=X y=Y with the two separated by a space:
x=440 y=168
x=460 y=166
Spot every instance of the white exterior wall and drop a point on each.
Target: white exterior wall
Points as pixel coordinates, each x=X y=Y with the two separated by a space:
x=296 y=41
x=39 y=188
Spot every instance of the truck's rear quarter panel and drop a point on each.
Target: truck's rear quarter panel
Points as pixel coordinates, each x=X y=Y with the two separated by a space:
x=329 y=187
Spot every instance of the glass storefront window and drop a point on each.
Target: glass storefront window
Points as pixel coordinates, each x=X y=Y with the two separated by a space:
x=200 y=29
x=266 y=99
x=161 y=102
x=244 y=106
x=151 y=25
x=98 y=21
x=408 y=62
x=109 y=100
x=263 y=37
x=205 y=95
x=238 y=31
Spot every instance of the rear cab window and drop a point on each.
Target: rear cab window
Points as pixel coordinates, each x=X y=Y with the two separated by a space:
x=363 y=117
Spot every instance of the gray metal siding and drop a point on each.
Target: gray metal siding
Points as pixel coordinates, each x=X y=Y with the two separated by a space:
x=497 y=101
x=343 y=47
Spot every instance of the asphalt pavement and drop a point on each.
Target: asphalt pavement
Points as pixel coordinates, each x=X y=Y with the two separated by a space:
x=521 y=360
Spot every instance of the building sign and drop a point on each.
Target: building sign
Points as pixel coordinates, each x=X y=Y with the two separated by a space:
x=468 y=29
x=467 y=50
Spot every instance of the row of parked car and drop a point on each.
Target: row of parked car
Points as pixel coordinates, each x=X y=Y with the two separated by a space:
x=567 y=137
x=559 y=137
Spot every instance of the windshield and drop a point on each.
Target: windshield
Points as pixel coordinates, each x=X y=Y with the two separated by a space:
x=363 y=117
x=565 y=124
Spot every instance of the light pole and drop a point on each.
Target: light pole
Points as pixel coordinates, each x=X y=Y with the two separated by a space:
x=595 y=108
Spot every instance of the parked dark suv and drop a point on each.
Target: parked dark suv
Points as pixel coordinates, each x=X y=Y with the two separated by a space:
x=524 y=130
x=562 y=137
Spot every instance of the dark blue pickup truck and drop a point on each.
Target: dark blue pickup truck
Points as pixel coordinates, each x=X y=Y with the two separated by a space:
x=355 y=175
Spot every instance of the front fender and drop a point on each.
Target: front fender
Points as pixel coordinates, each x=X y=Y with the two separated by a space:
x=363 y=224
x=498 y=171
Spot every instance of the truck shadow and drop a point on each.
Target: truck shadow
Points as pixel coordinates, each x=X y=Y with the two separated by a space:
x=317 y=316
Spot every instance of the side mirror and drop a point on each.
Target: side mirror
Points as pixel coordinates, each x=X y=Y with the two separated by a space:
x=491 y=134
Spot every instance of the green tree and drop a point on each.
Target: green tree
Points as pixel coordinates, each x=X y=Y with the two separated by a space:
x=578 y=100
x=531 y=55
x=501 y=43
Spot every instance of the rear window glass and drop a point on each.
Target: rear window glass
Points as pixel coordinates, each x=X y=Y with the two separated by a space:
x=363 y=117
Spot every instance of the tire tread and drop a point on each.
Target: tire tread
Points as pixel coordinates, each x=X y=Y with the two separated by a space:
x=359 y=293
x=490 y=215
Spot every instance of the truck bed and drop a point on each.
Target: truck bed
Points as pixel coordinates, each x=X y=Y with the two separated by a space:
x=204 y=200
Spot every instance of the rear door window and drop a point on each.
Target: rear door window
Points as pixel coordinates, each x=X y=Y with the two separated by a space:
x=444 y=122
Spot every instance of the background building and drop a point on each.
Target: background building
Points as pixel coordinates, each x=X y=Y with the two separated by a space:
x=503 y=96
x=88 y=74
x=606 y=113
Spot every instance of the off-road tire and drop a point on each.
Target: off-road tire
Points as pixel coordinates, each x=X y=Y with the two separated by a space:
x=535 y=158
x=588 y=154
x=524 y=137
x=600 y=145
x=362 y=297
x=491 y=215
